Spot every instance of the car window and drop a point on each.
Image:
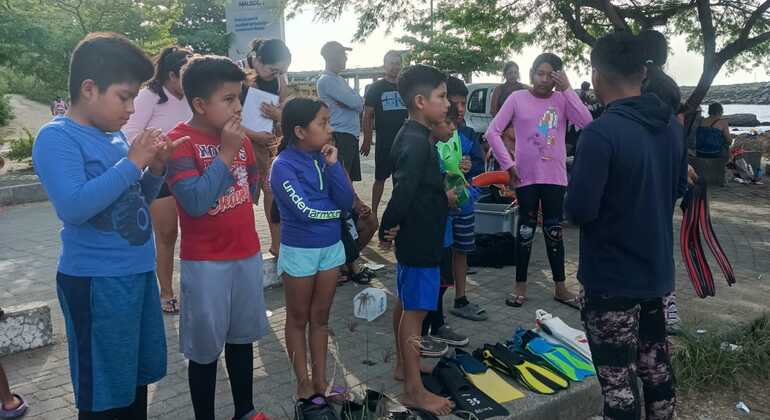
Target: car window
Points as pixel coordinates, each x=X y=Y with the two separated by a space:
x=477 y=101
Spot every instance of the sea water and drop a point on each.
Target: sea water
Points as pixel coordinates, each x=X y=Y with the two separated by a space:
x=761 y=111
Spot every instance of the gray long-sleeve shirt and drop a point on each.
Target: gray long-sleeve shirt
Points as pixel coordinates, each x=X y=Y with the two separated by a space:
x=345 y=105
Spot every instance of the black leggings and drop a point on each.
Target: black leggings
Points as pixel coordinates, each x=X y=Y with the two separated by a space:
x=136 y=411
x=435 y=319
x=549 y=198
x=239 y=359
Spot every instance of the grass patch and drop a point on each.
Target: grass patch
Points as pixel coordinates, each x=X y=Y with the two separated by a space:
x=21 y=148
x=701 y=363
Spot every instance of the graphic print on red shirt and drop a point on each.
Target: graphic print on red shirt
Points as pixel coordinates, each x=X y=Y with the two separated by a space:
x=226 y=231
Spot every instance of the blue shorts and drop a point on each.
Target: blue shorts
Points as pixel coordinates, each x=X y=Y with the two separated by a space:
x=418 y=287
x=306 y=262
x=463 y=230
x=115 y=337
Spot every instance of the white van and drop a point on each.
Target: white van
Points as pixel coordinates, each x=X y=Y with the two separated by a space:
x=478 y=113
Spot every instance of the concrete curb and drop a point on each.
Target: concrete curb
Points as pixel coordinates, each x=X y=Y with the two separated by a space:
x=25 y=327
x=582 y=400
x=22 y=194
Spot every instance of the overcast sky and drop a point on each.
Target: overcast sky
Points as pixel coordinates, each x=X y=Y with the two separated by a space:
x=305 y=38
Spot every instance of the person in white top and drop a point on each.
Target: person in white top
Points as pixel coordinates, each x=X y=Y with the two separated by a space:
x=161 y=104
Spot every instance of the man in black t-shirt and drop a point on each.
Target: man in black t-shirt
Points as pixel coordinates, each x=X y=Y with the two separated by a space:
x=384 y=109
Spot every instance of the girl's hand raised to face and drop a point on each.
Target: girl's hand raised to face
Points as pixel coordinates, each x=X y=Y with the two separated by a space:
x=329 y=153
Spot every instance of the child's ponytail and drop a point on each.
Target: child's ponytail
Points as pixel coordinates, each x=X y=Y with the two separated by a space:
x=298 y=112
x=170 y=60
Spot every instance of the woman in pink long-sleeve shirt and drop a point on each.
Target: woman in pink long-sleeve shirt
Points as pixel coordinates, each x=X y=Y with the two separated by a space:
x=162 y=105
x=539 y=117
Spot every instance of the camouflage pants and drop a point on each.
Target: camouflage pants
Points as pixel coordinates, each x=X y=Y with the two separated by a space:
x=628 y=341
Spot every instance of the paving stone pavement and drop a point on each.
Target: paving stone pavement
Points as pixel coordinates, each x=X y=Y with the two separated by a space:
x=30 y=246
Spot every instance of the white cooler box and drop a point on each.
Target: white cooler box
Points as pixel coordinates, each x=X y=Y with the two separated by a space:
x=496 y=218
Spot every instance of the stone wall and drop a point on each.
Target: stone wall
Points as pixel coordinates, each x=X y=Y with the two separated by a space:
x=25 y=327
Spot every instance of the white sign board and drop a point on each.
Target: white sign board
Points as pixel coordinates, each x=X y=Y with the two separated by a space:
x=249 y=19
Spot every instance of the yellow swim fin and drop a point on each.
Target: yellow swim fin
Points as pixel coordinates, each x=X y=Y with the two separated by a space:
x=486 y=379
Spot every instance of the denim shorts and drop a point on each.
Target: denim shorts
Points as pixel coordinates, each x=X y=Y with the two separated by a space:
x=306 y=262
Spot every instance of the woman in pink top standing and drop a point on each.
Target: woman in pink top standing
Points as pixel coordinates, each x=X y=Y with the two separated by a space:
x=539 y=116
x=161 y=104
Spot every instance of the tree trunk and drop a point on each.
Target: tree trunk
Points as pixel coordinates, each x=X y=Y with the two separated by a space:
x=710 y=71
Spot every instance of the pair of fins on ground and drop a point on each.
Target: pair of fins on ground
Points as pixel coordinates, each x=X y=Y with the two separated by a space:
x=473 y=382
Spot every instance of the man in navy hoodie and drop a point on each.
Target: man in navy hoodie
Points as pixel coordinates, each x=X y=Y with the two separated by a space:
x=629 y=171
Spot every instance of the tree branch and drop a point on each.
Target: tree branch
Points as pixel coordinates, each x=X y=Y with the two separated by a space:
x=707 y=28
x=755 y=16
x=738 y=46
x=613 y=14
x=574 y=24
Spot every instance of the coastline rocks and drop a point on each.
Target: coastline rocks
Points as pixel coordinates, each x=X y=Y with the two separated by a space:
x=742 y=120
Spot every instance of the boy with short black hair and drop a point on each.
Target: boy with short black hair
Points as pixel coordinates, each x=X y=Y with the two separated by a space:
x=630 y=168
x=417 y=211
x=213 y=178
x=101 y=189
x=463 y=219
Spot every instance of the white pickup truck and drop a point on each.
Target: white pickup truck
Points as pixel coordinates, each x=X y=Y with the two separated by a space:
x=478 y=113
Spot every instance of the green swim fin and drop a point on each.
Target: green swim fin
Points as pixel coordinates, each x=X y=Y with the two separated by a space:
x=565 y=361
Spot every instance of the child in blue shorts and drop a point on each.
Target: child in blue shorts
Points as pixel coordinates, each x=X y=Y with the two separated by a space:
x=416 y=216
x=312 y=193
x=101 y=189
x=463 y=219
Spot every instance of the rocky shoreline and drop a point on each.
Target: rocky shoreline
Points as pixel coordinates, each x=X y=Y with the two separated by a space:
x=744 y=93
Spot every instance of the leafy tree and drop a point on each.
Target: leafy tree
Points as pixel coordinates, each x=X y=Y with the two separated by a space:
x=202 y=26
x=461 y=40
x=732 y=33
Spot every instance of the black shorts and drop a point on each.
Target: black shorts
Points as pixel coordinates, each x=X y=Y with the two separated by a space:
x=164 y=191
x=383 y=164
x=348 y=154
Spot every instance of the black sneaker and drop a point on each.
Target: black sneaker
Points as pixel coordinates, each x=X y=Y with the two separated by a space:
x=445 y=334
x=430 y=347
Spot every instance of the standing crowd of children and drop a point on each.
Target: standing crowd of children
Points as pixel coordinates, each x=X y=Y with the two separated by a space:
x=109 y=163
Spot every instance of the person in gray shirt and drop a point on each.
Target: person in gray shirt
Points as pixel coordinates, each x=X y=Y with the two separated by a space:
x=345 y=106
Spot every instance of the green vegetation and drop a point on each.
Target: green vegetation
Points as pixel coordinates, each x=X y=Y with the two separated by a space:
x=21 y=148
x=727 y=33
x=706 y=361
x=6 y=113
x=38 y=37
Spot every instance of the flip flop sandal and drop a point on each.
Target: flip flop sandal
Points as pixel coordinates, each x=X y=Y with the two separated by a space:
x=169 y=306
x=338 y=394
x=515 y=301
x=16 y=412
x=314 y=408
x=572 y=303
x=470 y=311
x=364 y=277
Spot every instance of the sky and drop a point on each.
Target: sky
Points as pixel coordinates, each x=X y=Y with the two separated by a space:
x=305 y=37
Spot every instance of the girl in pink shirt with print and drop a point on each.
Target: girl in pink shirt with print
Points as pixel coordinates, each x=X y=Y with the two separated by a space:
x=539 y=116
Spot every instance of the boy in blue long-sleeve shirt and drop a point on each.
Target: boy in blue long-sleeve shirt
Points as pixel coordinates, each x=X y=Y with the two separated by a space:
x=463 y=219
x=101 y=189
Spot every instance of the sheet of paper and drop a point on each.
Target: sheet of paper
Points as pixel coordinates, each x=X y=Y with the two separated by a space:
x=251 y=115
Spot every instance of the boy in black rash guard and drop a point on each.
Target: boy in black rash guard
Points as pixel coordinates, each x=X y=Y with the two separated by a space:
x=630 y=168
x=417 y=212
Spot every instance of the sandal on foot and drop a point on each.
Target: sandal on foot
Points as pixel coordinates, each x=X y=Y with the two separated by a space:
x=15 y=412
x=572 y=303
x=515 y=301
x=470 y=311
x=338 y=394
x=169 y=306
